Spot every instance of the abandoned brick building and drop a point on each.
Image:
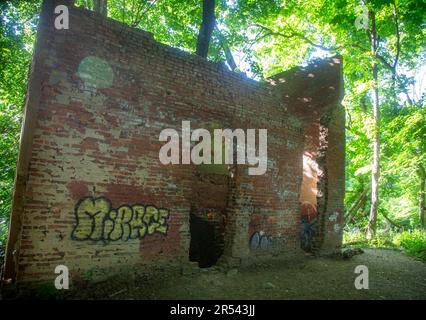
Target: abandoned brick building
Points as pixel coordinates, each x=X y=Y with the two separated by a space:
x=92 y=194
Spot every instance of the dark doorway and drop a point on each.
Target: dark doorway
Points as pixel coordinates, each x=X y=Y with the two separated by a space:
x=206 y=244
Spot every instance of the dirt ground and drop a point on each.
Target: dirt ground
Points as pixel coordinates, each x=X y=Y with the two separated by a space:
x=392 y=275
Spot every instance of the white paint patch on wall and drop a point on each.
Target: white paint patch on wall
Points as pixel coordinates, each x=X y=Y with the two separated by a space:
x=95 y=72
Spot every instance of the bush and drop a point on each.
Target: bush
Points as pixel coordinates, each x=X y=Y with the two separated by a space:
x=383 y=239
x=354 y=237
x=414 y=242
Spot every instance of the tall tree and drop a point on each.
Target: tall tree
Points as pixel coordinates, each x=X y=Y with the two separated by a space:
x=101 y=7
x=375 y=172
x=207 y=25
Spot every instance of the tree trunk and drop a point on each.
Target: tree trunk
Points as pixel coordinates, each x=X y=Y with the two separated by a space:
x=228 y=54
x=422 y=176
x=105 y=8
x=206 y=29
x=101 y=7
x=358 y=203
x=392 y=222
x=360 y=208
x=371 y=230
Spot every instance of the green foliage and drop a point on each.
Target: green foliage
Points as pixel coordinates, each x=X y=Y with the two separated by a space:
x=414 y=242
x=357 y=238
x=354 y=237
x=17 y=34
x=173 y=22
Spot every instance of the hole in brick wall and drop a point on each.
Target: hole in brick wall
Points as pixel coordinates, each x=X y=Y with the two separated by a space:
x=206 y=244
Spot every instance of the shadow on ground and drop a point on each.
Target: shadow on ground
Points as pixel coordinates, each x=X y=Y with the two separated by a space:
x=392 y=275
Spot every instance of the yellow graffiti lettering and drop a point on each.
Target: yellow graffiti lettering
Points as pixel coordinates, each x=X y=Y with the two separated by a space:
x=90 y=214
x=121 y=217
x=96 y=220
x=108 y=225
x=137 y=225
x=151 y=218
x=164 y=215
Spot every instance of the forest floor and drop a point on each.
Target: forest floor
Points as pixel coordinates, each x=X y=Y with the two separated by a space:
x=392 y=275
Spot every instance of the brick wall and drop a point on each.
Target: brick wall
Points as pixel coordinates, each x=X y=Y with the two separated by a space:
x=99 y=95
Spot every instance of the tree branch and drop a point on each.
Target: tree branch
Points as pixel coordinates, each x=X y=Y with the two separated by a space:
x=137 y=17
x=228 y=53
x=292 y=34
x=398 y=38
x=390 y=66
x=392 y=222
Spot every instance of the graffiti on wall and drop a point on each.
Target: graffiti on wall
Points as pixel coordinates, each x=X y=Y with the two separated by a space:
x=335 y=220
x=260 y=240
x=97 y=220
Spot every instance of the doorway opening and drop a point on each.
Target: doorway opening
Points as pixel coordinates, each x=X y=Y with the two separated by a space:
x=207 y=238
